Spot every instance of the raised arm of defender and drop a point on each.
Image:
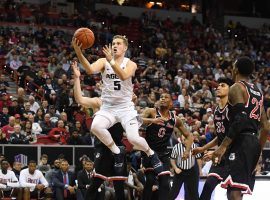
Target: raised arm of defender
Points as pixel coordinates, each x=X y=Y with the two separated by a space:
x=87 y=102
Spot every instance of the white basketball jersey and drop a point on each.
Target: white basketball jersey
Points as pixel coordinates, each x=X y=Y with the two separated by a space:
x=114 y=90
x=8 y=178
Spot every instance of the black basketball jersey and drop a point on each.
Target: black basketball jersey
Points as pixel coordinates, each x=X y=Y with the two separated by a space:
x=221 y=121
x=116 y=132
x=158 y=136
x=253 y=107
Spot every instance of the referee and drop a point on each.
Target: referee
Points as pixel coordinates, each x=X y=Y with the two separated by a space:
x=186 y=171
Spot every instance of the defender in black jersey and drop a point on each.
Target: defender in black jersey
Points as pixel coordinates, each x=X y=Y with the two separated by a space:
x=217 y=172
x=247 y=116
x=161 y=122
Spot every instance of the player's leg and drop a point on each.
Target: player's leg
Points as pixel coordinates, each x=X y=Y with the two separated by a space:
x=192 y=183
x=119 y=190
x=164 y=177
x=234 y=194
x=150 y=179
x=164 y=187
x=208 y=188
x=132 y=130
x=102 y=121
x=178 y=181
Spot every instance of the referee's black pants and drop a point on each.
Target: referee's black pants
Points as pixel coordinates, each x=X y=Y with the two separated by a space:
x=191 y=179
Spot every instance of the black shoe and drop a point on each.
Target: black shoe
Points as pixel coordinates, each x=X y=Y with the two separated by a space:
x=156 y=163
x=119 y=160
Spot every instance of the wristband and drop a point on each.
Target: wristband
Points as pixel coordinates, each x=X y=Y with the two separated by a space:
x=112 y=62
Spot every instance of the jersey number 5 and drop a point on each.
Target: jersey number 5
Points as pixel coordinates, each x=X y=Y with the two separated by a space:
x=117 y=85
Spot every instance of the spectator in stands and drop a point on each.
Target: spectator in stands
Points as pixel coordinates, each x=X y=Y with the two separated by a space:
x=52 y=97
x=48 y=87
x=15 y=108
x=27 y=111
x=15 y=63
x=43 y=165
x=39 y=116
x=9 y=128
x=46 y=125
x=186 y=111
x=59 y=133
x=3 y=139
x=34 y=106
x=17 y=137
x=27 y=131
x=36 y=129
x=75 y=138
x=21 y=96
x=54 y=114
x=18 y=119
x=54 y=168
x=4 y=85
x=16 y=168
x=84 y=176
x=45 y=106
x=5 y=101
x=4 y=116
x=68 y=124
x=64 y=182
x=33 y=182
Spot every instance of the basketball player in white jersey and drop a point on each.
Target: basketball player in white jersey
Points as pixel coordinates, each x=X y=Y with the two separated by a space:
x=117 y=106
x=9 y=184
x=32 y=180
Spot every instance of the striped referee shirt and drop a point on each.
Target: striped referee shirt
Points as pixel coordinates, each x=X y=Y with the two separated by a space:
x=177 y=153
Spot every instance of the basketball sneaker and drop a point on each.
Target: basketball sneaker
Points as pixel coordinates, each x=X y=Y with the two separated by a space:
x=119 y=160
x=156 y=163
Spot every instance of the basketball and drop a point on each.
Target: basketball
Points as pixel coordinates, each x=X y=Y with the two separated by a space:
x=85 y=36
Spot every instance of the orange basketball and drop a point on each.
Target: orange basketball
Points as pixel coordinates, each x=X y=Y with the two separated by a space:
x=85 y=36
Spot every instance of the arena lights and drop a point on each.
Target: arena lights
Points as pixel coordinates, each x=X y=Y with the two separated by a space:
x=120 y=2
x=150 y=4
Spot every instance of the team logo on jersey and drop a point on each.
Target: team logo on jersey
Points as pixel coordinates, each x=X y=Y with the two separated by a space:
x=232 y=156
x=112 y=76
x=97 y=155
x=161 y=132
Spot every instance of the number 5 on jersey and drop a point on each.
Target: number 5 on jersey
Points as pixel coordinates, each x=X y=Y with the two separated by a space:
x=117 y=85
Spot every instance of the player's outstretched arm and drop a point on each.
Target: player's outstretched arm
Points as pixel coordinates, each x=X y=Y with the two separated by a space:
x=90 y=69
x=189 y=137
x=209 y=145
x=148 y=117
x=87 y=102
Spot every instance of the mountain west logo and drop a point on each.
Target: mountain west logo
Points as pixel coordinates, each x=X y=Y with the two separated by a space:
x=21 y=158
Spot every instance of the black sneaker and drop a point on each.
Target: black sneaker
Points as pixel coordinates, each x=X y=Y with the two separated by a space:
x=156 y=163
x=119 y=160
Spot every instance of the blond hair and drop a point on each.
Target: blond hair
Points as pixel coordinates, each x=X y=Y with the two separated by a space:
x=123 y=37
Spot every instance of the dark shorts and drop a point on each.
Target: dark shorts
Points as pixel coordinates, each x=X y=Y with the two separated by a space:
x=165 y=159
x=241 y=161
x=104 y=164
x=219 y=171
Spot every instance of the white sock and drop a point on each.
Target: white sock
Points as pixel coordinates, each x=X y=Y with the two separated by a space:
x=115 y=149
